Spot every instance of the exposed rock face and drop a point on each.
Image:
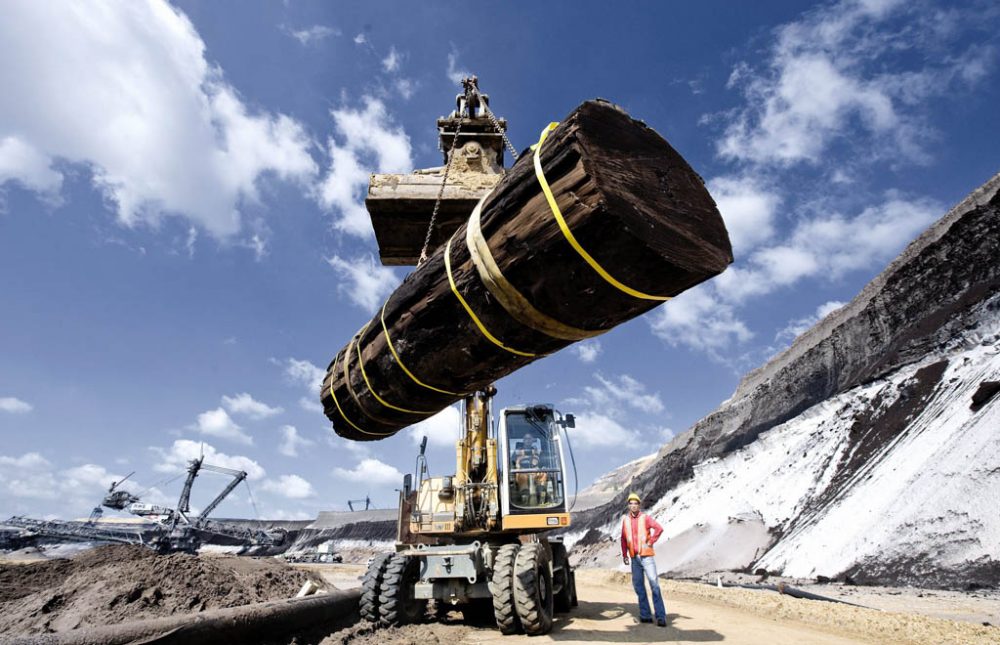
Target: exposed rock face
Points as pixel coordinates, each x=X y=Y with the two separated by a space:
x=897 y=361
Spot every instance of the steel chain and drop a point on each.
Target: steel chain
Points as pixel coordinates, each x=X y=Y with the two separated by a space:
x=496 y=124
x=437 y=203
x=471 y=90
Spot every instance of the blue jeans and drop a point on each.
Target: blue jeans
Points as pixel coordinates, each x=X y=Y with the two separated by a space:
x=644 y=568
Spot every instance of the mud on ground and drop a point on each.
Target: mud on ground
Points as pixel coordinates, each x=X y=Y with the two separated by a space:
x=114 y=584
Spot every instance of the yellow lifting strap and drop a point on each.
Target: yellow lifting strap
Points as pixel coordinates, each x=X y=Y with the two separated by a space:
x=368 y=383
x=399 y=361
x=506 y=294
x=569 y=234
x=454 y=289
x=350 y=388
x=341 y=411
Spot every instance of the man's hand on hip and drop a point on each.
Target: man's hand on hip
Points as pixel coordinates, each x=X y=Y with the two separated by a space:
x=625 y=559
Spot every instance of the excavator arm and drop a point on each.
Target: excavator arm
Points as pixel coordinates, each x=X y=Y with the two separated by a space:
x=238 y=476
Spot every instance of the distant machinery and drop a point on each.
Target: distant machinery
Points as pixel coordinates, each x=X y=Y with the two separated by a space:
x=367 y=501
x=116 y=499
x=182 y=532
x=172 y=529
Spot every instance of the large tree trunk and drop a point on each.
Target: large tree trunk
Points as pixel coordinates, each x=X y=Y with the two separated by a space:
x=631 y=202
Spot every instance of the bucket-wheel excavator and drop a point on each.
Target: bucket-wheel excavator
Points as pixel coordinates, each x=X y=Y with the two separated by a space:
x=477 y=540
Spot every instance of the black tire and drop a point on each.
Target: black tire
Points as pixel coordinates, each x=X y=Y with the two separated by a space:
x=573 y=601
x=371 y=587
x=533 y=589
x=396 y=604
x=502 y=588
x=561 y=577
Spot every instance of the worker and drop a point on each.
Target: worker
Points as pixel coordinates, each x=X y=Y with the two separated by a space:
x=639 y=533
x=531 y=487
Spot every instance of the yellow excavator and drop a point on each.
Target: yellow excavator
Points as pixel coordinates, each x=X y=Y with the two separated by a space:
x=477 y=540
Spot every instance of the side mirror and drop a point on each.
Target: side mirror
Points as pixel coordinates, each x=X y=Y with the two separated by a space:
x=568 y=421
x=407 y=484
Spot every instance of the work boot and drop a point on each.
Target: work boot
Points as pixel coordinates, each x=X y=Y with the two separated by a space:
x=645 y=620
x=660 y=623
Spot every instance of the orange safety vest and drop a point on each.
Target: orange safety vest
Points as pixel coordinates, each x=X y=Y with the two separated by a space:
x=645 y=549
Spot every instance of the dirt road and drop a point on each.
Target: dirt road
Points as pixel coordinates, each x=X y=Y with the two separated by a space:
x=607 y=613
x=698 y=614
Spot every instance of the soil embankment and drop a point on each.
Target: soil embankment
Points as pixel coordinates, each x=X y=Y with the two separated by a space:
x=115 y=584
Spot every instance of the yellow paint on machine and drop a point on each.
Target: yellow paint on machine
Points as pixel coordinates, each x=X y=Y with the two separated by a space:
x=539 y=521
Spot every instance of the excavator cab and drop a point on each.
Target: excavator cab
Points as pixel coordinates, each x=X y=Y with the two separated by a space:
x=534 y=472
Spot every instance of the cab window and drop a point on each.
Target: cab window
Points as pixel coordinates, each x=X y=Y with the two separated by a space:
x=533 y=462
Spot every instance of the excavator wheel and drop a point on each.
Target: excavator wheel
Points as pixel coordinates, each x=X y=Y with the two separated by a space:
x=371 y=587
x=573 y=601
x=502 y=588
x=562 y=578
x=533 y=589
x=396 y=604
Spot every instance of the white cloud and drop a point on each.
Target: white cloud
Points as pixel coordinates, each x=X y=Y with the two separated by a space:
x=247 y=405
x=587 y=351
x=290 y=486
x=310 y=404
x=360 y=39
x=312 y=35
x=455 y=73
x=747 y=208
x=837 y=75
x=125 y=90
x=27 y=461
x=829 y=246
x=309 y=376
x=392 y=61
x=442 y=429
x=371 y=471
x=72 y=492
x=192 y=237
x=256 y=243
x=698 y=320
x=370 y=143
x=359 y=449
x=176 y=458
x=363 y=281
x=15 y=405
x=89 y=476
x=23 y=163
x=406 y=87
x=291 y=441
x=218 y=423
x=614 y=394
x=604 y=411
x=796 y=327
x=304 y=373
x=595 y=430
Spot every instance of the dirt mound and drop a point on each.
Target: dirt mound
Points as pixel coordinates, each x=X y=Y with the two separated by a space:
x=113 y=584
x=364 y=633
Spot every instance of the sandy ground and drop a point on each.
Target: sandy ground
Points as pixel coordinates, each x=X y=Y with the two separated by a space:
x=697 y=613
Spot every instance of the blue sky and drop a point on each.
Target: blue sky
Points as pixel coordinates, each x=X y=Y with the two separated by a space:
x=183 y=245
